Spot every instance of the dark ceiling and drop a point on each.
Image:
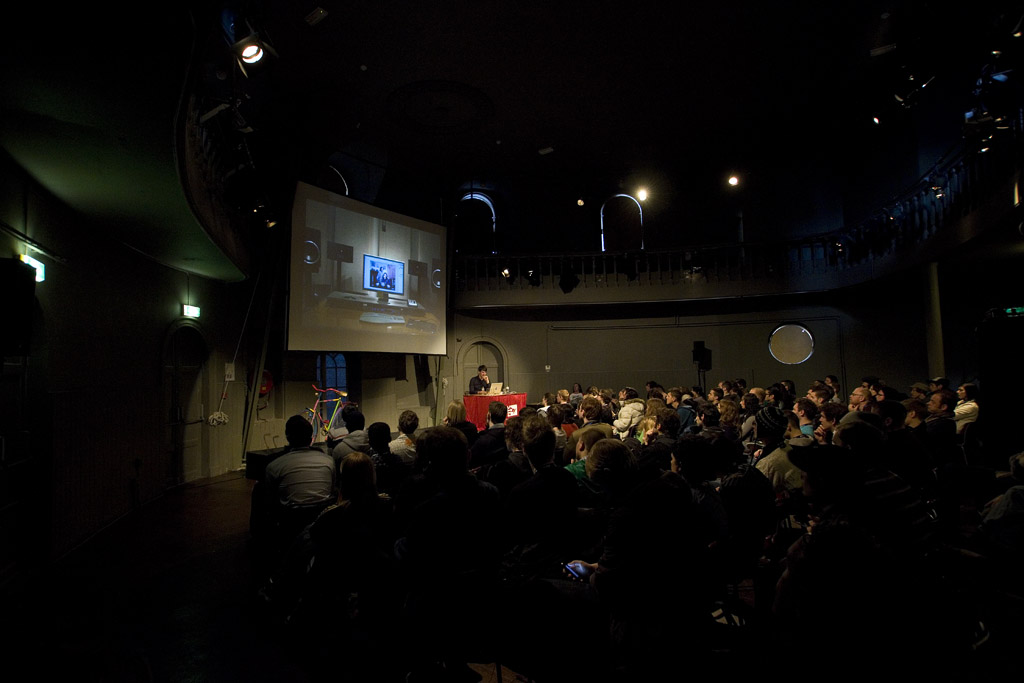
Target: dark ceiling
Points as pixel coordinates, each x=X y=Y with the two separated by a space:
x=417 y=101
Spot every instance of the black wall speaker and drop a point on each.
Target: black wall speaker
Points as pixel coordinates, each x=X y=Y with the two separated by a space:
x=701 y=355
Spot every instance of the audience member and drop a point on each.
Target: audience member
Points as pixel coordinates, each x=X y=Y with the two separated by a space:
x=590 y=413
x=355 y=440
x=860 y=398
x=966 y=410
x=297 y=485
x=831 y=414
x=540 y=511
x=807 y=412
x=448 y=551
x=749 y=404
x=455 y=416
x=940 y=427
x=919 y=391
x=405 y=446
x=490 y=444
x=390 y=469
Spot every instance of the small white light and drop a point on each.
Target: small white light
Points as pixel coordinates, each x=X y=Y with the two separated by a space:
x=252 y=53
x=641 y=195
x=875 y=119
x=38 y=265
x=734 y=181
x=505 y=272
x=189 y=311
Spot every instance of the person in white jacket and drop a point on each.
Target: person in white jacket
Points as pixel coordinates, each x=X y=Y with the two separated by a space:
x=966 y=410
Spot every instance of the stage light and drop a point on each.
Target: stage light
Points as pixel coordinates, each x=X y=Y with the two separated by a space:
x=734 y=181
x=251 y=50
x=641 y=194
x=252 y=53
x=189 y=311
x=579 y=202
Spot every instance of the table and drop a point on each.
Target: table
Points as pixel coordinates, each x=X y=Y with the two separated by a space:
x=476 y=406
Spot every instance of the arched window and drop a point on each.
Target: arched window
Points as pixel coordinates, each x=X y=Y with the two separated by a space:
x=476 y=222
x=332 y=373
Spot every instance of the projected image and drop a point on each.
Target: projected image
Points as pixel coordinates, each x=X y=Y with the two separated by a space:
x=364 y=279
x=382 y=275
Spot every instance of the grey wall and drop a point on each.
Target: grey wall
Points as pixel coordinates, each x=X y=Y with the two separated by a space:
x=86 y=424
x=859 y=336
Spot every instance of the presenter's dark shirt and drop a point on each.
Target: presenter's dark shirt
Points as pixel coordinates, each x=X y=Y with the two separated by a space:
x=476 y=385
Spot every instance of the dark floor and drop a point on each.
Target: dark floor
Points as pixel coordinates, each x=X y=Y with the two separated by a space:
x=170 y=594
x=159 y=596
x=166 y=594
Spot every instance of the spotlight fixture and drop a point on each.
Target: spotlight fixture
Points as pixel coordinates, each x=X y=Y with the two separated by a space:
x=251 y=53
x=251 y=50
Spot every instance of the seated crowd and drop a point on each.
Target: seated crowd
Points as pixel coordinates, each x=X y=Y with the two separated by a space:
x=614 y=535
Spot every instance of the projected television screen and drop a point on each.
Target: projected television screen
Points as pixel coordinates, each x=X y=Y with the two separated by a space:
x=364 y=279
x=383 y=275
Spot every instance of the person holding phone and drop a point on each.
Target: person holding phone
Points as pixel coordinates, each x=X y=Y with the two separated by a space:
x=652 y=531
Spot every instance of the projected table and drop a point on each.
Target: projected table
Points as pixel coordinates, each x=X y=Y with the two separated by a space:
x=476 y=406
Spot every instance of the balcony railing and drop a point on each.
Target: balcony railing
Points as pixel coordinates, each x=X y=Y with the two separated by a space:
x=954 y=202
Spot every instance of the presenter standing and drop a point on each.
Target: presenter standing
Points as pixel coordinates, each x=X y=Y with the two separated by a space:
x=480 y=384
